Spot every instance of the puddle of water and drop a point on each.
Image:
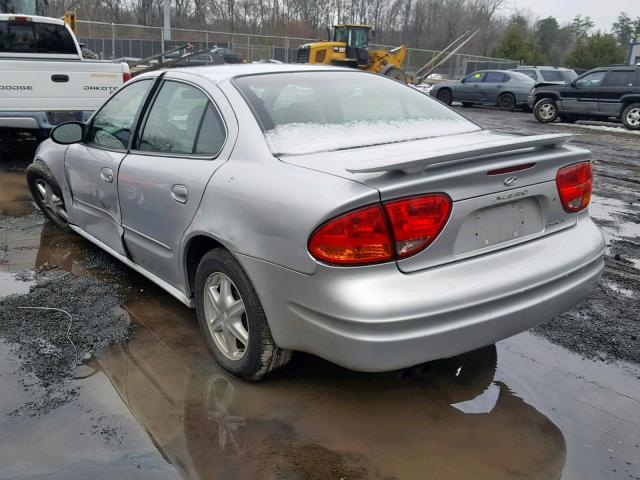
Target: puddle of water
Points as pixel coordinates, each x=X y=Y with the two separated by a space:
x=69 y=444
x=525 y=408
x=14 y=194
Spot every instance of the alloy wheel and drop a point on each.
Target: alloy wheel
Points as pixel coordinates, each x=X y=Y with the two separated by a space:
x=633 y=117
x=51 y=202
x=547 y=111
x=226 y=316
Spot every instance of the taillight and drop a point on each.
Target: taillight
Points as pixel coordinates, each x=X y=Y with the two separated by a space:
x=368 y=235
x=361 y=236
x=417 y=221
x=574 y=186
x=126 y=76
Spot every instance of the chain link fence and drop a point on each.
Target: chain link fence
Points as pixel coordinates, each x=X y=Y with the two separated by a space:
x=117 y=41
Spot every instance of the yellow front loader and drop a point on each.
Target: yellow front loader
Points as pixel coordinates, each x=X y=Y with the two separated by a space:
x=349 y=47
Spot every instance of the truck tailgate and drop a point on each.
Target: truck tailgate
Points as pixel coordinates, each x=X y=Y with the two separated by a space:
x=56 y=85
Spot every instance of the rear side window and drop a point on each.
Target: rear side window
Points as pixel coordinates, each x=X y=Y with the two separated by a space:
x=30 y=37
x=620 y=78
x=307 y=112
x=495 y=77
x=54 y=39
x=182 y=121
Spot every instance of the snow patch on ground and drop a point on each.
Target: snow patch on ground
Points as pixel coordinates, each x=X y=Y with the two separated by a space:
x=603 y=128
x=306 y=138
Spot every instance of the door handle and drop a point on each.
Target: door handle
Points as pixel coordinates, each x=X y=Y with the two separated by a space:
x=179 y=193
x=106 y=174
x=59 y=78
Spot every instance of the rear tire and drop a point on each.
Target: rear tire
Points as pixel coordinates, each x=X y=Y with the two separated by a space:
x=546 y=110
x=631 y=116
x=507 y=101
x=232 y=319
x=445 y=96
x=47 y=194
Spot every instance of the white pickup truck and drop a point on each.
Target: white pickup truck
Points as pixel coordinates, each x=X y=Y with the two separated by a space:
x=44 y=79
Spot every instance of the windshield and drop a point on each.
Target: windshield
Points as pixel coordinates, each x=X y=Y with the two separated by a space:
x=558 y=75
x=307 y=112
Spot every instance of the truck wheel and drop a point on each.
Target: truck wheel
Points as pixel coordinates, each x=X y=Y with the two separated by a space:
x=507 y=101
x=631 y=116
x=232 y=319
x=47 y=194
x=445 y=96
x=546 y=110
x=396 y=74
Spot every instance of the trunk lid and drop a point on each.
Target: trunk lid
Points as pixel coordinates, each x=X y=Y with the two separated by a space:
x=490 y=211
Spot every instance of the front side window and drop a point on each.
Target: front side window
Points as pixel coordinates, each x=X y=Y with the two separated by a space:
x=621 y=78
x=475 y=77
x=182 y=121
x=306 y=112
x=591 y=80
x=111 y=127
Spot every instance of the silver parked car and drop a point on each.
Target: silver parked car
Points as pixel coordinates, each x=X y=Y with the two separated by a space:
x=325 y=210
x=505 y=89
x=547 y=74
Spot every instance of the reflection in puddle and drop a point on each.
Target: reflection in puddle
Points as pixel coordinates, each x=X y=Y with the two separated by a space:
x=15 y=199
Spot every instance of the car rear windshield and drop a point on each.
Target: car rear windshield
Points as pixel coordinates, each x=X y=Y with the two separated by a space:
x=35 y=37
x=307 y=112
x=558 y=75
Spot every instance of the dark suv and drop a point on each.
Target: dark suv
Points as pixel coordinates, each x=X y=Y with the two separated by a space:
x=604 y=92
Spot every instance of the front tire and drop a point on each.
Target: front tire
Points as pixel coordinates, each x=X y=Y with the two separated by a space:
x=445 y=96
x=47 y=194
x=232 y=319
x=546 y=110
x=631 y=116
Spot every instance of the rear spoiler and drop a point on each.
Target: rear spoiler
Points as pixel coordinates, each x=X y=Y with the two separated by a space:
x=415 y=163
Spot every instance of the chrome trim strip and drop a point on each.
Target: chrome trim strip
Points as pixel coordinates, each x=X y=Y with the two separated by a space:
x=93 y=207
x=132 y=230
x=141 y=270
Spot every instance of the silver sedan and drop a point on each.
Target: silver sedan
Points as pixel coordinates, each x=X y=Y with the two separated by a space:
x=506 y=90
x=325 y=210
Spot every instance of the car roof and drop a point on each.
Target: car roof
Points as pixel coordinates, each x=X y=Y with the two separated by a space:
x=33 y=18
x=547 y=67
x=220 y=73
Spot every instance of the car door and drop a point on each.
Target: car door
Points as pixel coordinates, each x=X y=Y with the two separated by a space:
x=583 y=96
x=162 y=180
x=92 y=166
x=616 y=85
x=468 y=89
x=492 y=86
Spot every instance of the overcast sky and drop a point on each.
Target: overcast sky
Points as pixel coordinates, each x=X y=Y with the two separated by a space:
x=603 y=13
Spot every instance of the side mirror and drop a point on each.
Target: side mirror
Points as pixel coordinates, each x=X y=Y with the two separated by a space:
x=462 y=80
x=574 y=84
x=68 y=133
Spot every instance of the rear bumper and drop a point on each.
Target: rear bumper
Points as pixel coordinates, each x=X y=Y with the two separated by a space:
x=376 y=318
x=39 y=120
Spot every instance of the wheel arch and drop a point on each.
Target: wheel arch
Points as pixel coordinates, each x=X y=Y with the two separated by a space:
x=542 y=95
x=196 y=246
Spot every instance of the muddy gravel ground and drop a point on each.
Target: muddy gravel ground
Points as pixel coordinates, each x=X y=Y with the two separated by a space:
x=117 y=381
